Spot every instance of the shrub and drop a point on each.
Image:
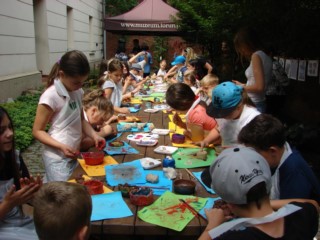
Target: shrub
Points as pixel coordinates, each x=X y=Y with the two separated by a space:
x=23 y=111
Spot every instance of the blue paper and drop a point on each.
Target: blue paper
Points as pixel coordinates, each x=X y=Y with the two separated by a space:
x=209 y=204
x=102 y=204
x=130 y=172
x=125 y=149
x=198 y=176
x=133 y=110
x=120 y=128
x=163 y=182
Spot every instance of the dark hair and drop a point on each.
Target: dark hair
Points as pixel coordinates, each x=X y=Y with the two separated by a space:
x=180 y=96
x=73 y=63
x=262 y=132
x=144 y=47
x=256 y=195
x=8 y=164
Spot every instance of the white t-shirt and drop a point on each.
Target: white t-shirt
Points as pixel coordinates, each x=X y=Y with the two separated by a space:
x=267 y=69
x=229 y=129
x=116 y=93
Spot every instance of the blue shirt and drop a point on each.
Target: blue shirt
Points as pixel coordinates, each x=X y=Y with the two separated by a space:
x=147 y=67
x=297 y=180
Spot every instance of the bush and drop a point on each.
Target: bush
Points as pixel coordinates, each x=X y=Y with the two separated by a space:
x=22 y=112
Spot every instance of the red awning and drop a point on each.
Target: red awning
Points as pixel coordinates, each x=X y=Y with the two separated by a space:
x=149 y=15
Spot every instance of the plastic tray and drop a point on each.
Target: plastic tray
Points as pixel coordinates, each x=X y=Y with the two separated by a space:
x=165 y=149
x=147 y=143
x=160 y=131
x=151 y=110
x=148 y=163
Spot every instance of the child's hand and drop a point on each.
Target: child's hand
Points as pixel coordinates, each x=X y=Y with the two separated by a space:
x=215 y=217
x=124 y=110
x=14 y=198
x=69 y=152
x=100 y=142
x=27 y=181
x=201 y=144
x=178 y=121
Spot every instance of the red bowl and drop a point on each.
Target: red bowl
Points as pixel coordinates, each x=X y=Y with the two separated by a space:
x=93 y=158
x=94 y=186
x=141 y=196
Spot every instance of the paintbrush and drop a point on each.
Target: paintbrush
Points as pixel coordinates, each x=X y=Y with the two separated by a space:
x=154 y=187
x=190 y=173
x=194 y=212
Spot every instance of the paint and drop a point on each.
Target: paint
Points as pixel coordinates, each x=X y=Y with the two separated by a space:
x=168 y=162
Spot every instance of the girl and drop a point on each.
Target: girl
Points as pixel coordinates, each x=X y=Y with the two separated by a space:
x=111 y=83
x=208 y=83
x=259 y=72
x=189 y=78
x=161 y=72
x=16 y=186
x=60 y=105
x=97 y=110
x=181 y=98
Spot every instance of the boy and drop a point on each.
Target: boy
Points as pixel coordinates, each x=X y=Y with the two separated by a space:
x=292 y=177
x=62 y=210
x=177 y=71
x=242 y=178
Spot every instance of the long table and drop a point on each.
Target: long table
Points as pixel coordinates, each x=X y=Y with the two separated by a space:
x=133 y=227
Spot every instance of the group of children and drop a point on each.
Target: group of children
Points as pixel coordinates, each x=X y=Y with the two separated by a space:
x=215 y=113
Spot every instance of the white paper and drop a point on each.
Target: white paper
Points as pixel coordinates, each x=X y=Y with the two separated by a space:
x=302 y=70
x=313 y=68
x=287 y=66
x=293 y=69
x=281 y=61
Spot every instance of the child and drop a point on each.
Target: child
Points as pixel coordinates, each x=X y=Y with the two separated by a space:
x=292 y=177
x=208 y=83
x=177 y=70
x=189 y=78
x=242 y=178
x=181 y=98
x=111 y=83
x=161 y=72
x=97 y=110
x=232 y=109
x=16 y=186
x=62 y=210
x=60 y=105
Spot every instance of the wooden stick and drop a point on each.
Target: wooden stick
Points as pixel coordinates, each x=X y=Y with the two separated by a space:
x=195 y=212
x=190 y=173
x=168 y=188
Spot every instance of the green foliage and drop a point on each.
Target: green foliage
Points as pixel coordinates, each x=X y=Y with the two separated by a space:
x=289 y=25
x=117 y=7
x=160 y=49
x=22 y=112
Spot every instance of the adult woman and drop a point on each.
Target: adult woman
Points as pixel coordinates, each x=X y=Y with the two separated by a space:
x=248 y=46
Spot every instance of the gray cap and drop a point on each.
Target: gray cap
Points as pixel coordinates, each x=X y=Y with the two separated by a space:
x=136 y=66
x=236 y=171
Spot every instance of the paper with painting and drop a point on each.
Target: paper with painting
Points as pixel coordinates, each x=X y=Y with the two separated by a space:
x=168 y=211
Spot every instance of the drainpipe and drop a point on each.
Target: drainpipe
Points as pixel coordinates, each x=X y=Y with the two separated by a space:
x=104 y=30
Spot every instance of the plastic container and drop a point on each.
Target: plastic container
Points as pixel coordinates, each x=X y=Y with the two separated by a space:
x=178 y=138
x=94 y=186
x=93 y=158
x=141 y=197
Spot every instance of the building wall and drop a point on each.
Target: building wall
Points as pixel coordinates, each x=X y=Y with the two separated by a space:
x=34 y=34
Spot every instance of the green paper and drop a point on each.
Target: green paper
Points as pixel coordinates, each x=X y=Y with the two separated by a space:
x=185 y=159
x=156 y=94
x=167 y=211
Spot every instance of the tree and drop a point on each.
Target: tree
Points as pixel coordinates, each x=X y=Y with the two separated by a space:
x=289 y=25
x=117 y=7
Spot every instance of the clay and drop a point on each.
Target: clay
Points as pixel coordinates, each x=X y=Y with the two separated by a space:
x=202 y=155
x=152 y=178
x=116 y=144
x=122 y=117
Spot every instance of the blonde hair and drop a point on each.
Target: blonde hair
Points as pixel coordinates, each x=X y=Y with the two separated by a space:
x=209 y=80
x=190 y=76
x=97 y=98
x=190 y=54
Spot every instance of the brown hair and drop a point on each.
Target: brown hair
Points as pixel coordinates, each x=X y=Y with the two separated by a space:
x=61 y=209
x=190 y=75
x=73 y=63
x=96 y=98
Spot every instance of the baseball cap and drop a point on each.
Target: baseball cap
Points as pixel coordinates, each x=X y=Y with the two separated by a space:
x=225 y=98
x=178 y=60
x=236 y=170
x=136 y=66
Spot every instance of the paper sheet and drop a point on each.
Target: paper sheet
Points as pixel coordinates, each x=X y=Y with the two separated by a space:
x=97 y=170
x=130 y=172
x=167 y=211
x=197 y=175
x=103 y=203
x=208 y=205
